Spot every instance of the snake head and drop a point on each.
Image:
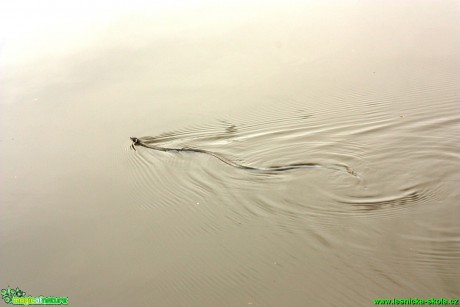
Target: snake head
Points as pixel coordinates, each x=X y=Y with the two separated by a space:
x=135 y=142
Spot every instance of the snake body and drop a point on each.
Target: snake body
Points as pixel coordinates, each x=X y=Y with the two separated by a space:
x=138 y=142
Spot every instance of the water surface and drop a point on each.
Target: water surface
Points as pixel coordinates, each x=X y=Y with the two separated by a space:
x=371 y=86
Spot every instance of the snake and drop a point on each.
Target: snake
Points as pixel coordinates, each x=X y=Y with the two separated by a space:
x=138 y=142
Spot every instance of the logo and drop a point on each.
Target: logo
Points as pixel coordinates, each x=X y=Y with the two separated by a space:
x=18 y=297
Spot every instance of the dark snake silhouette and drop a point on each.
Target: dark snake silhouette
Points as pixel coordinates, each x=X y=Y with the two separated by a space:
x=337 y=167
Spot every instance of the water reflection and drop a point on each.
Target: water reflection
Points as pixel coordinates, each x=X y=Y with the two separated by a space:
x=371 y=87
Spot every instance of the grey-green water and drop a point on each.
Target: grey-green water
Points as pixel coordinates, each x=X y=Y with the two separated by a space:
x=373 y=86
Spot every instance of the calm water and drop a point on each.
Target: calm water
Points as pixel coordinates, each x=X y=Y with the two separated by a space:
x=370 y=86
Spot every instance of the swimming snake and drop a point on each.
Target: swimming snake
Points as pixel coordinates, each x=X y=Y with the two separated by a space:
x=139 y=142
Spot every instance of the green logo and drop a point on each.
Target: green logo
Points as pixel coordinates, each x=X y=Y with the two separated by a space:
x=18 y=297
